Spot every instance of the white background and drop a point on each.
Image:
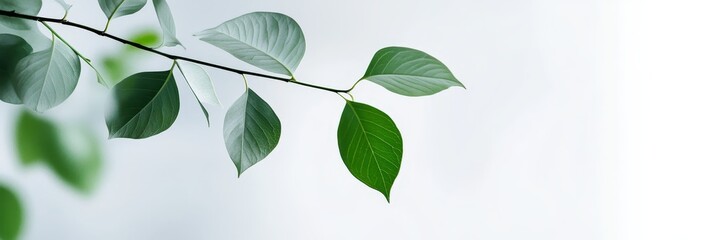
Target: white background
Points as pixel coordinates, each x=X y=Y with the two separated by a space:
x=582 y=120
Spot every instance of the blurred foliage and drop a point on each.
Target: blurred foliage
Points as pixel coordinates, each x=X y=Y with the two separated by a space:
x=118 y=65
x=10 y=214
x=74 y=154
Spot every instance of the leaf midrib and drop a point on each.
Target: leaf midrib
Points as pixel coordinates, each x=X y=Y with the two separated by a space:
x=47 y=73
x=145 y=106
x=267 y=54
x=364 y=134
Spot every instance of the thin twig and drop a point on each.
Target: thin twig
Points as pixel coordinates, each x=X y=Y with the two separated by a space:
x=166 y=55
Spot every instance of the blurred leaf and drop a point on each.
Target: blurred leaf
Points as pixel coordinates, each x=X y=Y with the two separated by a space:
x=147 y=104
x=409 y=72
x=166 y=20
x=201 y=85
x=251 y=130
x=271 y=41
x=13 y=48
x=28 y=7
x=370 y=145
x=45 y=79
x=73 y=154
x=117 y=8
x=64 y=5
x=146 y=38
x=10 y=214
x=115 y=68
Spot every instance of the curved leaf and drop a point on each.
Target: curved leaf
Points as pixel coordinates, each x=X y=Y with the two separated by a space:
x=166 y=20
x=409 y=72
x=251 y=130
x=13 y=48
x=45 y=79
x=64 y=5
x=73 y=154
x=271 y=41
x=27 y=7
x=147 y=104
x=370 y=145
x=200 y=84
x=10 y=214
x=118 y=8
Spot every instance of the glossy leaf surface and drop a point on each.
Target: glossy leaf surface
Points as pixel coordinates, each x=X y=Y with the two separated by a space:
x=147 y=104
x=47 y=78
x=166 y=20
x=117 y=8
x=409 y=72
x=370 y=145
x=200 y=84
x=27 y=7
x=271 y=41
x=12 y=49
x=251 y=130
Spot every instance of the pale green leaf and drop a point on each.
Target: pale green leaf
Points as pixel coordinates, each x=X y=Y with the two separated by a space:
x=11 y=214
x=27 y=7
x=147 y=104
x=117 y=8
x=271 y=41
x=74 y=154
x=370 y=145
x=64 y=4
x=201 y=85
x=12 y=49
x=251 y=130
x=166 y=20
x=45 y=79
x=409 y=72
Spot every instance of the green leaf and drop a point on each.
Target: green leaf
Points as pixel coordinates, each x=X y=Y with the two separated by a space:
x=64 y=5
x=45 y=79
x=147 y=104
x=27 y=7
x=73 y=154
x=166 y=20
x=271 y=41
x=13 y=48
x=251 y=130
x=10 y=214
x=118 y=8
x=370 y=145
x=409 y=72
x=200 y=84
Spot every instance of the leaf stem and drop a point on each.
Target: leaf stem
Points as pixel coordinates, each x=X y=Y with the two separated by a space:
x=163 y=54
x=85 y=59
x=245 y=81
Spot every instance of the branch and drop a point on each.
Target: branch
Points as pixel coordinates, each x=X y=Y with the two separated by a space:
x=166 y=55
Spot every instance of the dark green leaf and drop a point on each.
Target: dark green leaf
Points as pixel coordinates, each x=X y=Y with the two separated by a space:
x=45 y=79
x=200 y=84
x=409 y=72
x=118 y=8
x=28 y=7
x=72 y=153
x=370 y=145
x=271 y=41
x=166 y=20
x=251 y=130
x=10 y=214
x=147 y=104
x=12 y=49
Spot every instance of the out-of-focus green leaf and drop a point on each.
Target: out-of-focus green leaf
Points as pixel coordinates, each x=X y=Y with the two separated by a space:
x=117 y=8
x=370 y=145
x=147 y=38
x=10 y=214
x=45 y=79
x=251 y=130
x=409 y=72
x=147 y=104
x=166 y=20
x=73 y=154
x=12 y=49
x=28 y=7
x=201 y=85
x=271 y=41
